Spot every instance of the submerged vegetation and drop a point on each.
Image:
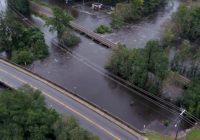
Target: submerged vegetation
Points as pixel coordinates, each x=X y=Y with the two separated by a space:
x=21 y=43
x=145 y=68
x=60 y=22
x=103 y=29
x=134 y=10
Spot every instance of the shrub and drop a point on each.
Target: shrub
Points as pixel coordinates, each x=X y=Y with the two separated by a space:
x=23 y=57
x=103 y=29
x=70 y=40
x=117 y=22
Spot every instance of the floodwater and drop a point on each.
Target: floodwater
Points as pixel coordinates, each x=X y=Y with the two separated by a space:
x=74 y=71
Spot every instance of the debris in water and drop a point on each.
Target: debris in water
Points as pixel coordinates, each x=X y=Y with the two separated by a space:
x=56 y=60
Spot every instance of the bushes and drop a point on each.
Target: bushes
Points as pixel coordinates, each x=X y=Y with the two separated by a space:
x=70 y=39
x=23 y=57
x=103 y=29
x=117 y=22
x=23 y=44
x=135 y=10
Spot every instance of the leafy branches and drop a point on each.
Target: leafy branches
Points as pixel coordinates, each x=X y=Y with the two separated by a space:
x=59 y=21
x=21 y=44
x=24 y=116
x=135 y=65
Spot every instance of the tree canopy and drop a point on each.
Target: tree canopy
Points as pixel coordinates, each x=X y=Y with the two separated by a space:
x=59 y=21
x=135 y=65
x=133 y=10
x=15 y=37
x=187 y=22
x=24 y=116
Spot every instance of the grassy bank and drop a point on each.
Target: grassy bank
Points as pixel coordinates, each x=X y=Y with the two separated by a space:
x=194 y=134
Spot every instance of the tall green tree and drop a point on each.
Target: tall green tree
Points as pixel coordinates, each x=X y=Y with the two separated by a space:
x=59 y=21
x=21 y=44
x=157 y=61
x=24 y=116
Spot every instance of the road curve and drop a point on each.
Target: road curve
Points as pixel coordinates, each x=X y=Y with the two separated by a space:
x=63 y=102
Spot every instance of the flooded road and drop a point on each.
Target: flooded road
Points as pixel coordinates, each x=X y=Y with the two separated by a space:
x=74 y=73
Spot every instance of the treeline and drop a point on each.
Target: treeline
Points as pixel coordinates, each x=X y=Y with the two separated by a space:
x=24 y=116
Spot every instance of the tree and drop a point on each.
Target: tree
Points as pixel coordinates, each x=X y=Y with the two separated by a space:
x=135 y=65
x=157 y=60
x=187 y=22
x=59 y=21
x=24 y=116
x=136 y=8
x=150 y=6
x=22 y=44
x=191 y=98
x=129 y=64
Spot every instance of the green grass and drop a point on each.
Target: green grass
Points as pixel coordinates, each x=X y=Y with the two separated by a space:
x=157 y=136
x=194 y=134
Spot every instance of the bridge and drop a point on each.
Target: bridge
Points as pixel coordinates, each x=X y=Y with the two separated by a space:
x=91 y=117
x=94 y=36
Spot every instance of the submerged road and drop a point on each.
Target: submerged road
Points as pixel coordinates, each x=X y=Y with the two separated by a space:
x=91 y=118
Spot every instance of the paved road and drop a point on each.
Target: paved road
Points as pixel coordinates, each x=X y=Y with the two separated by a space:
x=88 y=118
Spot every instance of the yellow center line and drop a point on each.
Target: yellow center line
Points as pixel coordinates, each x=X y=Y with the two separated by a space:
x=66 y=106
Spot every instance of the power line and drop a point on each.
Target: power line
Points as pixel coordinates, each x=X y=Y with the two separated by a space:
x=77 y=56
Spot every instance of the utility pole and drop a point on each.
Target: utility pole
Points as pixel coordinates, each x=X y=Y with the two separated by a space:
x=178 y=124
x=83 y=2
